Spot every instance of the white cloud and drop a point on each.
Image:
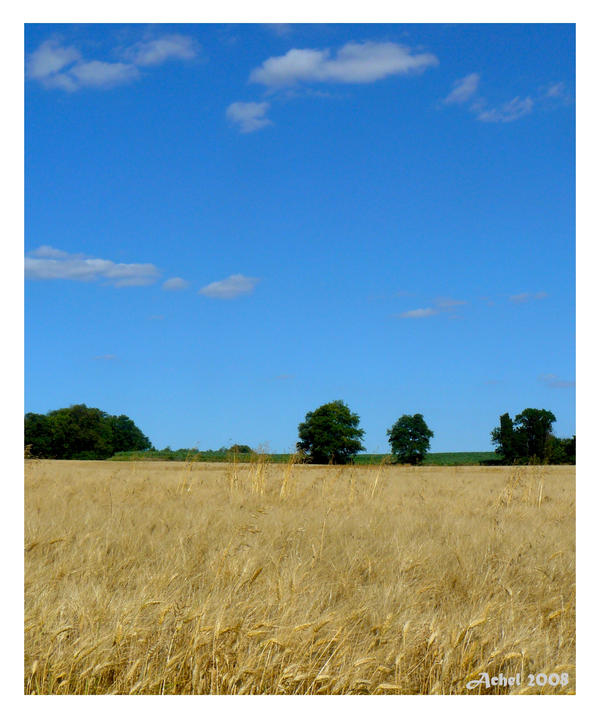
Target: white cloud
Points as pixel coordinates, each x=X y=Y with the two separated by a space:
x=248 y=116
x=280 y=29
x=229 y=288
x=419 y=313
x=556 y=90
x=551 y=380
x=47 y=263
x=49 y=59
x=159 y=50
x=463 y=89
x=448 y=303
x=103 y=74
x=175 y=283
x=553 y=95
x=47 y=251
x=508 y=112
x=353 y=63
x=64 y=68
x=527 y=297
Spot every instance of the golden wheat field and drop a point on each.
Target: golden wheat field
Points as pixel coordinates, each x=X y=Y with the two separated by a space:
x=172 y=578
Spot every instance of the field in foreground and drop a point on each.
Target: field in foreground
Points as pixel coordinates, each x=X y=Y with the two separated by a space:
x=151 y=578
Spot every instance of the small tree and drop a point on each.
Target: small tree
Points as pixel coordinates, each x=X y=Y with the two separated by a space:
x=330 y=434
x=409 y=439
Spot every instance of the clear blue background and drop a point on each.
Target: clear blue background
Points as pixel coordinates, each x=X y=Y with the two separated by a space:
x=358 y=203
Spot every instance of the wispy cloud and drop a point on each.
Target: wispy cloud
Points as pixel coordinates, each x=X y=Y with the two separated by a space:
x=159 y=50
x=524 y=297
x=449 y=303
x=248 y=116
x=49 y=59
x=551 y=380
x=102 y=74
x=230 y=288
x=419 y=313
x=556 y=89
x=352 y=63
x=441 y=304
x=64 y=68
x=463 y=89
x=106 y=358
x=466 y=90
x=281 y=29
x=47 y=251
x=508 y=112
x=55 y=66
x=48 y=263
x=555 y=93
x=175 y=283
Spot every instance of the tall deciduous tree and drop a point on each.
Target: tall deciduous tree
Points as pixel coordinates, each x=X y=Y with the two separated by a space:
x=126 y=437
x=529 y=438
x=505 y=439
x=409 y=439
x=330 y=434
x=534 y=426
x=38 y=434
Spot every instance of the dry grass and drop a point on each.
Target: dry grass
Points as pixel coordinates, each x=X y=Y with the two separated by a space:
x=252 y=579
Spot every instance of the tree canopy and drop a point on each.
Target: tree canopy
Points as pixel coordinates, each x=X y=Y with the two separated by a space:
x=240 y=449
x=81 y=432
x=409 y=439
x=330 y=434
x=529 y=439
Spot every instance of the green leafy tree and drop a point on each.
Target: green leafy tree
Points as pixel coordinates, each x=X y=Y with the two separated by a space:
x=559 y=451
x=509 y=444
x=330 y=434
x=534 y=427
x=529 y=438
x=38 y=434
x=240 y=449
x=81 y=432
x=409 y=439
x=570 y=451
x=554 y=451
x=126 y=437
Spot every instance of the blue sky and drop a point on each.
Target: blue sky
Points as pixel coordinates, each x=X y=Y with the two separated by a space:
x=227 y=226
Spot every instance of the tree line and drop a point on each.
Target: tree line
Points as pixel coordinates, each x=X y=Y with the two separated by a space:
x=330 y=434
x=81 y=432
